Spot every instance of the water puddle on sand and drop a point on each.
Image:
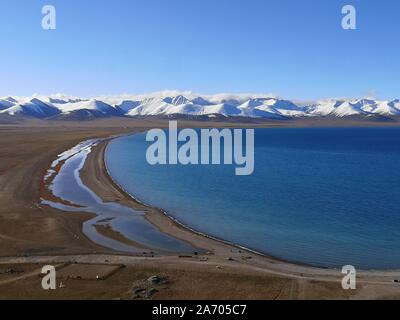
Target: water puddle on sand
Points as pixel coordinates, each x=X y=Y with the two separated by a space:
x=121 y=220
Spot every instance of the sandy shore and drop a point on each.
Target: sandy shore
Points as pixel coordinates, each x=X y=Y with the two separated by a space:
x=32 y=235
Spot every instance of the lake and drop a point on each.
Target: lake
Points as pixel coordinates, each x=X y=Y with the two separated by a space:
x=326 y=197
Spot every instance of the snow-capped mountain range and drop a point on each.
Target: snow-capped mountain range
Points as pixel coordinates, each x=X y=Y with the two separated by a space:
x=188 y=104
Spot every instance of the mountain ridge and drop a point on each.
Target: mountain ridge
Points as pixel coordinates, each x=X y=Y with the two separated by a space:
x=167 y=104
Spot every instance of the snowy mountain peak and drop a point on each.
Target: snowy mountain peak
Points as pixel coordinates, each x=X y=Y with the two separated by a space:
x=7 y=103
x=10 y=99
x=179 y=100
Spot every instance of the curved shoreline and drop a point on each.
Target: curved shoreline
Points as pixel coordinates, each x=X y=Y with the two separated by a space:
x=268 y=261
x=179 y=223
x=98 y=155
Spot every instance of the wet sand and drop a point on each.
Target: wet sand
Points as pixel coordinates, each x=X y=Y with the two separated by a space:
x=32 y=234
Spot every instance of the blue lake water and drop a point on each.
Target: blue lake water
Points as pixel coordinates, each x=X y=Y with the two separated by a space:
x=322 y=196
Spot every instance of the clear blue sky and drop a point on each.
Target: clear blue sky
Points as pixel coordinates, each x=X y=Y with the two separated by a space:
x=294 y=48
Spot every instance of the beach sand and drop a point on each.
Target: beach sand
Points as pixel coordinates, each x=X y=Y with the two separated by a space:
x=33 y=235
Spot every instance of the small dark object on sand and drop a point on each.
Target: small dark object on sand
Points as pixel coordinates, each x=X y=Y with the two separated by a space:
x=247 y=258
x=158 y=280
x=138 y=290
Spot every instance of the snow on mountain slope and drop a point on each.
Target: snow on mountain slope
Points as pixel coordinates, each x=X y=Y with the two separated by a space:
x=282 y=107
x=151 y=107
x=179 y=100
x=32 y=108
x=348 y=109
x=259 y=108
x=224 y=109
x=271 y=108
x=6 y=103
x=395 y=104
x=186 y=109
x=93 y=105
x=324 y=107
x=343 y=108
x=128 y=105
x=385 y=108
